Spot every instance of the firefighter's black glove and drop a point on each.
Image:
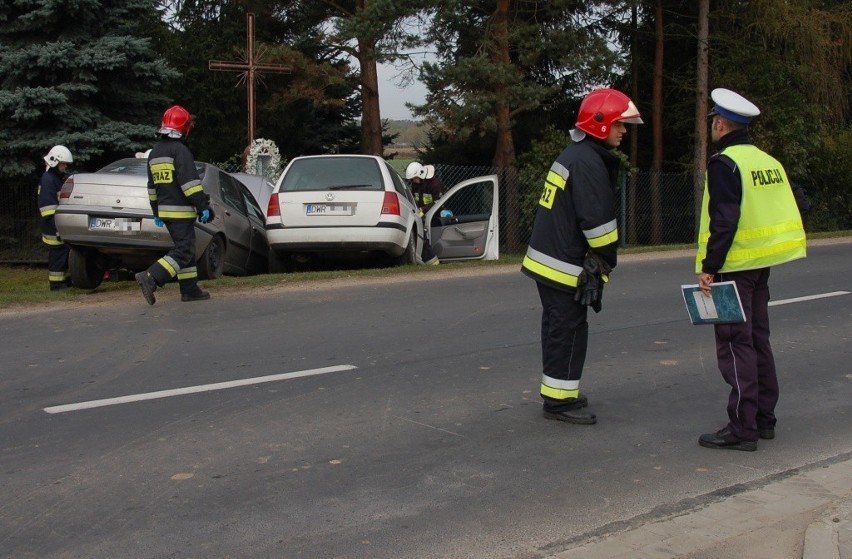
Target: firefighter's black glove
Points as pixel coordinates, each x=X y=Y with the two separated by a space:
x=206 y=215
x=590 y=282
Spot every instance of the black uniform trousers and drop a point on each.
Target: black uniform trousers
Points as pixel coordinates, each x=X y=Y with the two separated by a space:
x=426 y=253
x=57 y=264
x=564 y=339
x=745 y=357
x=180 y=260
x=57 y=254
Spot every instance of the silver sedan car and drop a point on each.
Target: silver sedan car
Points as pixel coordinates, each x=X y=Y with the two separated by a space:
x=107 y=221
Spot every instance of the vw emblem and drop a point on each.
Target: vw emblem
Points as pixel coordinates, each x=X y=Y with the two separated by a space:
x=329 y=197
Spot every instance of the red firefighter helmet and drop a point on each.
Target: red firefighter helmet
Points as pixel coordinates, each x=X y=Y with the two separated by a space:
x=177 y=122
x=601 y=108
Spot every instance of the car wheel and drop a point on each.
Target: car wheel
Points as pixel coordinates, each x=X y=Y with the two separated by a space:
x=280 y=263
x=85 y=268
x=410 y=254
x=212 y=262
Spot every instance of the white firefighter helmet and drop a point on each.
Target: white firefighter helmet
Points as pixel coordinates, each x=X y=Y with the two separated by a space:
x=414 y=169
x=428 y=172
x=57 y=155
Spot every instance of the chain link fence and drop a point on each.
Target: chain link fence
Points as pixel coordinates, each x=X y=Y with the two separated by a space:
x=653 y=209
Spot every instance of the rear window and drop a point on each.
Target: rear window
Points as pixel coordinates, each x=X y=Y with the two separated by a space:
x=127 y=167
x=333 y=173
x=138 y=166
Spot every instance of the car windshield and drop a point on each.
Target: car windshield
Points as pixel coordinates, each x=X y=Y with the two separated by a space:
x=333 y=173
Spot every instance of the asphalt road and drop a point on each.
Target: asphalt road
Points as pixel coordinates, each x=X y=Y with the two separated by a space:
x=415 y=430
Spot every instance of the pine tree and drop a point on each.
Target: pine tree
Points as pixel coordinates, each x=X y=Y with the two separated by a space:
x=499 y=62
x=78 y=73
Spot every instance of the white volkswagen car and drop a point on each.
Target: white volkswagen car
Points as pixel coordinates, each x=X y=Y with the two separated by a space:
x=358 y=204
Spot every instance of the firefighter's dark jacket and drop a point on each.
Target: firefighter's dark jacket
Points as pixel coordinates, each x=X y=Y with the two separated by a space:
x=48 y=199
x=174 y=187
x=576 y=213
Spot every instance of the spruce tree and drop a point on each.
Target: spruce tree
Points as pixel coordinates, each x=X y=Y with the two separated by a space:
x=81 y=73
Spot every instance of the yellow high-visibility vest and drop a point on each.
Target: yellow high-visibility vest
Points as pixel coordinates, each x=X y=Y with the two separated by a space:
x=770 y=230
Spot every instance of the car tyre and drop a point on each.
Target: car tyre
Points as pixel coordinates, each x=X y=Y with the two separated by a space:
x=85 y=268
x=410 y=254
x=212 y=262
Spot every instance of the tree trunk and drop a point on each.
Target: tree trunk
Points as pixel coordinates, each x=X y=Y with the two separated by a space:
x=631 y=185
x=371 y=117
x=657 y=116
x=504 y=155
x=700 y=162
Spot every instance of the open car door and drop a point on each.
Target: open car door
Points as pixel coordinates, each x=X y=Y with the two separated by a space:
x=470 y=228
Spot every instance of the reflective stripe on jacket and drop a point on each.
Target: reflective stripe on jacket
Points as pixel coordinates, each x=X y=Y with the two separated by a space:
x=174 y=187
x=576 y=212
x=769 y=231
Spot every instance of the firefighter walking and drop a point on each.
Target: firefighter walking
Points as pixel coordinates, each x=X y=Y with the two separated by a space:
x=177 y=199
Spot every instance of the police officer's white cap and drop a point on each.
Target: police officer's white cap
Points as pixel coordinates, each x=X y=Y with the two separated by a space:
x=733 y=106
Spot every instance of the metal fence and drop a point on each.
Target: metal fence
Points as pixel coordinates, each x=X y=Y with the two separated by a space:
x=652 y=209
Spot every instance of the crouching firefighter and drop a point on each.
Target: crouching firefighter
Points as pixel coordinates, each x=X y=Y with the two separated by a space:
x=573 y=247
x=177 y=199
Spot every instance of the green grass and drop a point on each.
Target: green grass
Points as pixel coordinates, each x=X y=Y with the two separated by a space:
x=22 y=286
x=399 y=163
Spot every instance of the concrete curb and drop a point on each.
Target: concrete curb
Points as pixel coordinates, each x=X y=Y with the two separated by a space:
x=807 y=514
x=830 y=537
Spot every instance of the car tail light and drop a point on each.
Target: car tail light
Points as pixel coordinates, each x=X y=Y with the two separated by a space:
x=391 y=204
x=273 y=209
x=67 y=188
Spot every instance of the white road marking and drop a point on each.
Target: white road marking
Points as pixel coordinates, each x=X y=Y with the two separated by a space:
x=807 y=298
x=195 y=389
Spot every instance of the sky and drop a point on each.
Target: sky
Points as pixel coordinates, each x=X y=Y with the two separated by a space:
x=392 y=98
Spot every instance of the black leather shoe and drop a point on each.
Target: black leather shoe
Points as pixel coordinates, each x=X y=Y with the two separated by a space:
x=582 y=401
x=59 y=286
x=768 y=433
x=149 y=286
x=723 y=438
x=576 y=415
x=197 y=295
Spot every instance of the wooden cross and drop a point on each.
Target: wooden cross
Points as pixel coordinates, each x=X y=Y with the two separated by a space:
x=250 y=68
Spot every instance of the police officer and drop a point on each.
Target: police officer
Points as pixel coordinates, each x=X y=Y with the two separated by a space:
x=573 y=247
x=177 y=199
x=749 y=222
x=426 y=188
x=57 y=160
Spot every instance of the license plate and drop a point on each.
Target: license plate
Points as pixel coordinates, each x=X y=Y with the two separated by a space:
x=328 y=209
x=120 y=224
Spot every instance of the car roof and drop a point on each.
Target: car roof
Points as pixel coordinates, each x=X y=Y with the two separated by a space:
x=260 y=186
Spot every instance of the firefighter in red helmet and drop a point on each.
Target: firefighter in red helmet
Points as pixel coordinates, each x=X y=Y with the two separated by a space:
x=177 y=199
x=573 y=247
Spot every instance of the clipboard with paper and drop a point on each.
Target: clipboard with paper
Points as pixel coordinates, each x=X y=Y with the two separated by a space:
x=723 y=306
